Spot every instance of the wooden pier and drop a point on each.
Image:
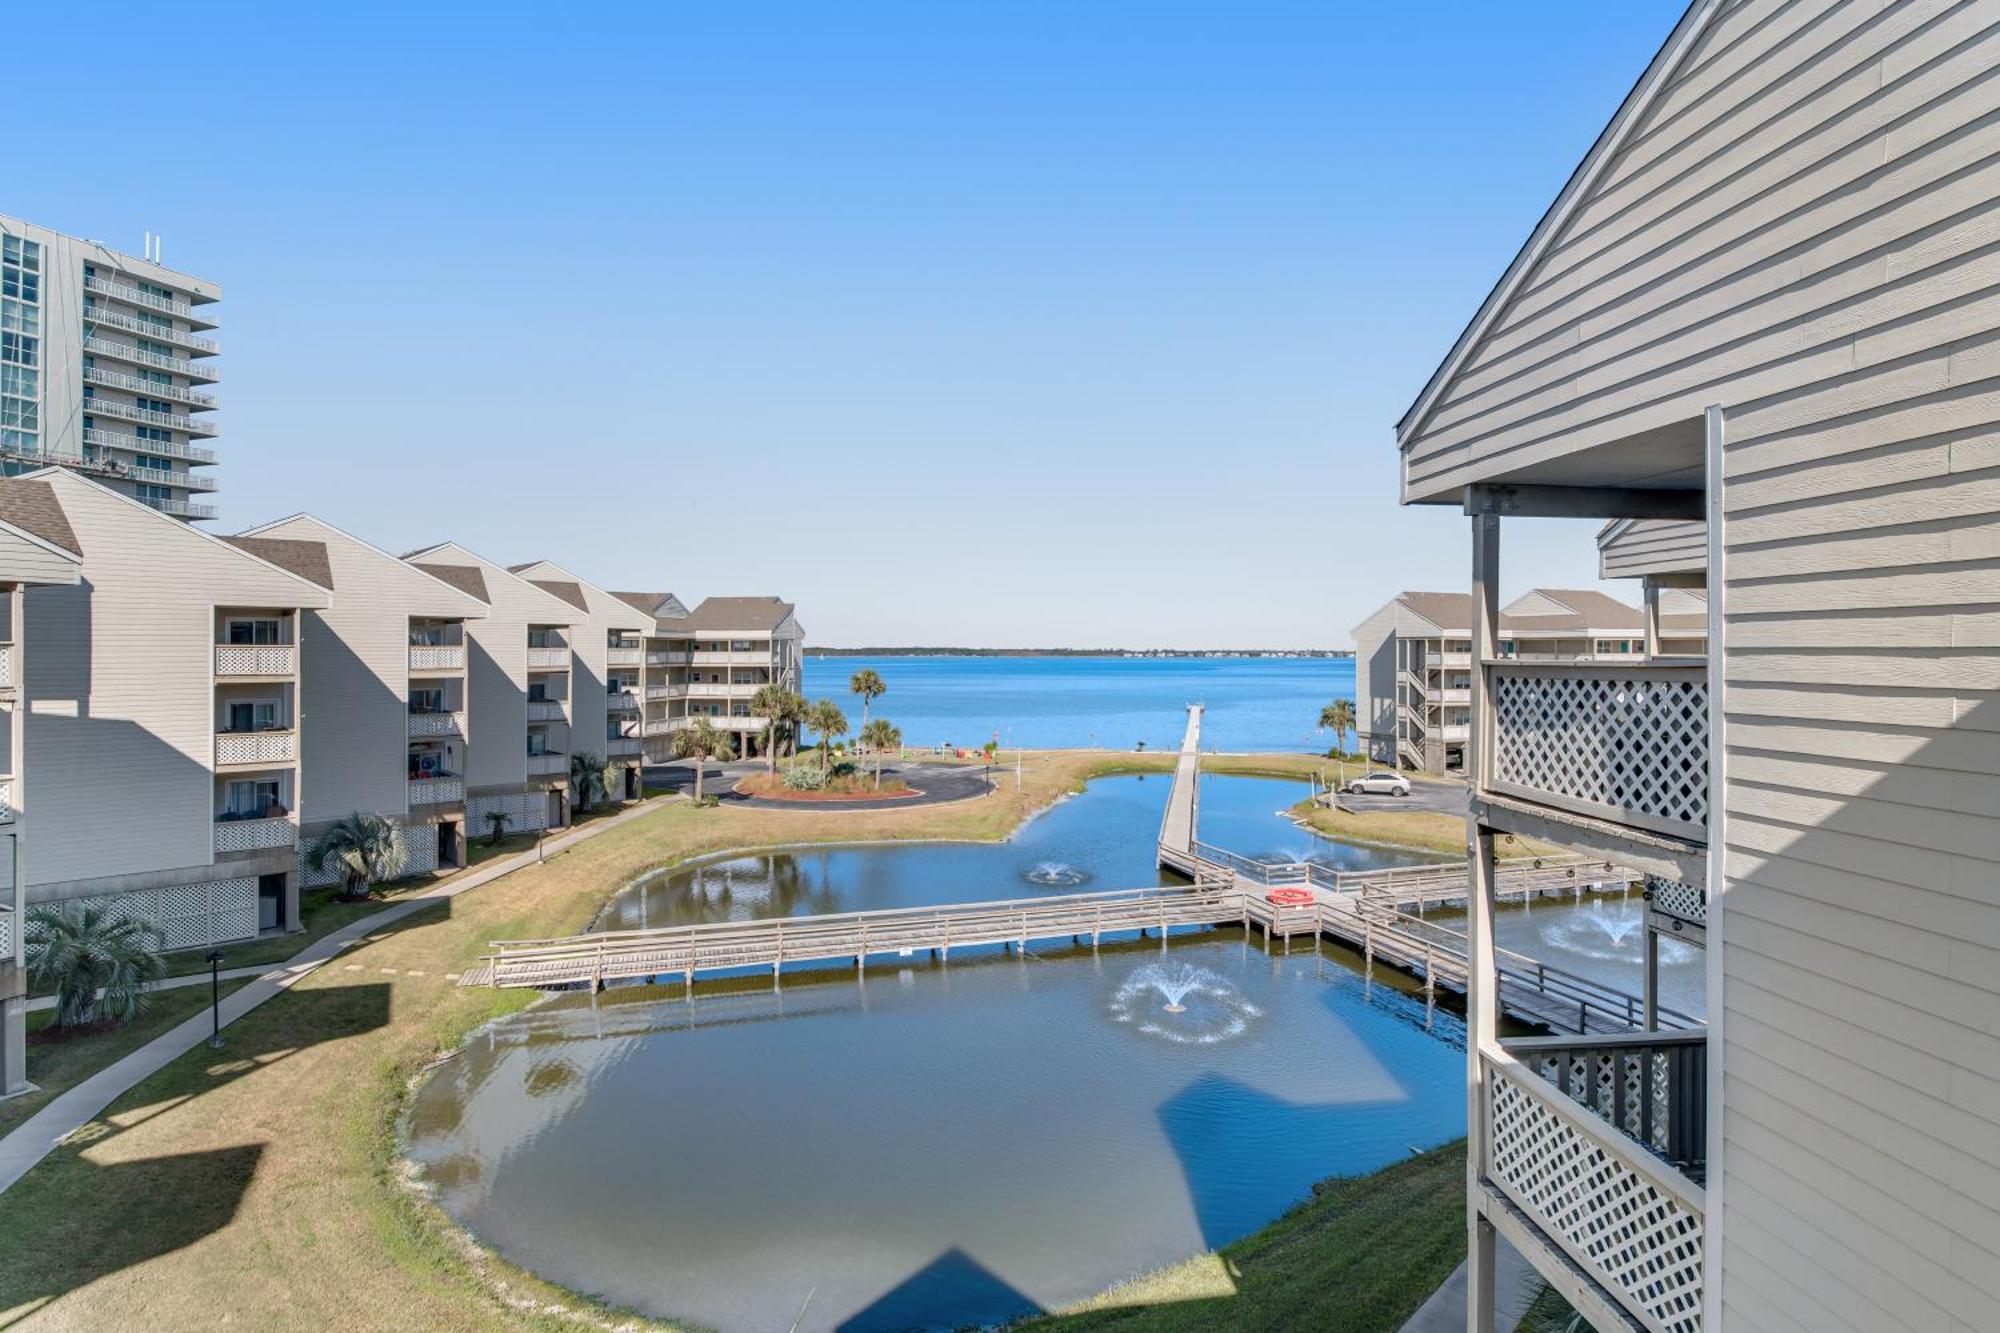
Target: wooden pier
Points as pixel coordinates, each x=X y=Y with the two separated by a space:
x=1369 y=911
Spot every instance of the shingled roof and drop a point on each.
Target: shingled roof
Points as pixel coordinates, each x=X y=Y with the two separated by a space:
x=465 y=578
x=32 y=506
x=757 y=614
x=569 y=592
x=308 y=560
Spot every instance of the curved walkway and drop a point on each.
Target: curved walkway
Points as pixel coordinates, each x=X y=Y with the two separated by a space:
x=36 y=1136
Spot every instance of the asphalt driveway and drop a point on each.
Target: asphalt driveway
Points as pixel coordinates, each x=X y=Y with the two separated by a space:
x=1445 y=796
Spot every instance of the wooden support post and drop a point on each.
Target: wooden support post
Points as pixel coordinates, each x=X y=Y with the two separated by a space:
x=1652 y=986
x=1481 y=990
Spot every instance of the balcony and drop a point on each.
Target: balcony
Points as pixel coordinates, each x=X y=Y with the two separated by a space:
x=1600 y=1143
x=146 y=416
x=106 y=439
x=254 y=835
x=549 y=763
x=240 y=661
x=166 y=305
x=623 y=747
x=139 y=356
x=621 y=702
x=671 y=657
x=548 y=659
x=755 y=658
x=445 y=657
x=442 y=790
x=235 y=748
x=178 y=508
x=545 y=710
x=437 y=724
x=1617 y=742
x=118 y=379
x=626 y=656
x=1449 y=661
x=711 y=689
x=119 y=319
x=1462 y=698
x=666 y=691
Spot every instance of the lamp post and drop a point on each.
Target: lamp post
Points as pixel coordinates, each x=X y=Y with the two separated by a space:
x=215 y=998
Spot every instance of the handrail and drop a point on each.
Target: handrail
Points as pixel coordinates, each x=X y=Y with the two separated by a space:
x=118 y=319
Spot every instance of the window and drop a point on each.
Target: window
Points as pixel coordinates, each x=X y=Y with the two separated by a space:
x=21 y=269
x=17 y=317
x=20 y=348
x=538 y=691
x=253 y=715
x=157 y=496
x=427 y=701
x=153 y=462
x=254 y=798
x=538 y=743
x=246 y=629
x=159 y=377
x=154 y=435
x=155 y=405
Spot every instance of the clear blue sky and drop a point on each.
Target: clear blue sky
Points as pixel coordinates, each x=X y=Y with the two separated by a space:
x=990 y=323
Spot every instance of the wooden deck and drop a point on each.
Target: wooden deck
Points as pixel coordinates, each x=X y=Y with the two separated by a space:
x=1183 y=812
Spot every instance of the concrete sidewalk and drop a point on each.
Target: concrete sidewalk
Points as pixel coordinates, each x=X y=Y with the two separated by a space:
x=41 y=1132
x=1515 y=1286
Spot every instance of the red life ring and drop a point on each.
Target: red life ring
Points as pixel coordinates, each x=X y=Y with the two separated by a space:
x=1290 y=897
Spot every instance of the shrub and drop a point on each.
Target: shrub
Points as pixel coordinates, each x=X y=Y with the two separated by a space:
x=82 y=948
x=805 y=777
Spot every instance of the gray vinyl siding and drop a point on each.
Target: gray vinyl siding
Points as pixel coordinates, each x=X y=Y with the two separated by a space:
x=1375 y=682
x=121 y=698
x=1653 y=546
x=1805 y=229
x=496 y=667
x=1811 y=197
x=590 y=654
x=354 y=743
x=25 y=561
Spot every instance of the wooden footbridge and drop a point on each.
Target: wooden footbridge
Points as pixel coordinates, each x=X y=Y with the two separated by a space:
x=1368 y=911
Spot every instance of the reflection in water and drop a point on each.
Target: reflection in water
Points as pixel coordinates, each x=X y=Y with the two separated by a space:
x=721 y=1159
x=933 y=1145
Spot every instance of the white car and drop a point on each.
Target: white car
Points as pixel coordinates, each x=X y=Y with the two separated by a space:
x=1379 y=784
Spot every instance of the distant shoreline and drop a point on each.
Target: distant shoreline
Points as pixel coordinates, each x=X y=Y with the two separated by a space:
x=1084 y=652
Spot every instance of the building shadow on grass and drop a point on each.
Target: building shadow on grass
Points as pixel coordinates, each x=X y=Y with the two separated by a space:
x=953 y=1290
x=164 y=1204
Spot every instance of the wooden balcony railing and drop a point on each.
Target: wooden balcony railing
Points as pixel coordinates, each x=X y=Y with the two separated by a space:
x=233 y=659
x=251 y=835
x=437 y=657
x=1626 y=743
x=436 y=791
x=1604 y=1195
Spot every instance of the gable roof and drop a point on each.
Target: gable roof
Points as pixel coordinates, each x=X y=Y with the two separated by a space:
x=32 y=507
x=308 y=560
x=466 y=578
x=569 y=592
x=1694 y=21
x=1549 y=610
x=734 y=613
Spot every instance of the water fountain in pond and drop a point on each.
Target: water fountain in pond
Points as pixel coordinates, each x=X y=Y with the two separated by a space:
x=1598 y=933
x=1187 y=1005
x=1056 y=875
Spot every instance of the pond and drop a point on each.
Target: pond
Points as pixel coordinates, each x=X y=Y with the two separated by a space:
x=935 y=1145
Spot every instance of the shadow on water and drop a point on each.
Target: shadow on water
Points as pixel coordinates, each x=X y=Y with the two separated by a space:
x=951 y=1291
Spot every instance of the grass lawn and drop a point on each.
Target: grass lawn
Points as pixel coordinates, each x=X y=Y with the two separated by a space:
x=257 y=1187
x=1418 y=830
x=57 y=1067
x=1358 y=1257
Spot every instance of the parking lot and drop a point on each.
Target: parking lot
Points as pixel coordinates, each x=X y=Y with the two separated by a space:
x=1443 y=795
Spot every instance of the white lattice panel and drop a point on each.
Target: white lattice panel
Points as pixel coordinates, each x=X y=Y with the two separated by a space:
x=6 y=934
x=249 y=835
x=527 y=812
x=256 y=747
x=6 y=666
x=548 y=659
x=1685 y=901
x=545 y=710
x=6 y=802
x=1629 y=743
x=437 y=657
x=240 y=660
x=437 y=791
x=420 y=848
x=435 y=724
x=625 y=656
x=1635 y=1236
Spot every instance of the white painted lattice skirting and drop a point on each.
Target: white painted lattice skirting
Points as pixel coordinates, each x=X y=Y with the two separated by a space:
x=1632 y=1222
x=1624 y=743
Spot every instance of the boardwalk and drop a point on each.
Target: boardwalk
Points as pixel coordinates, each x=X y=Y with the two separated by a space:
x=1183 y=813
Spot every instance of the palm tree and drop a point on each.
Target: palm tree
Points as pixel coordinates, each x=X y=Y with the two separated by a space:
x=1338 y=715
x=496 y=826
x=796 y=709
x=586 y=779
x=701 y=742
x=83 y=949
x=870 y=687
x=826 y=718
x=365 y=850
x=773 y=703
x=880 y=735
